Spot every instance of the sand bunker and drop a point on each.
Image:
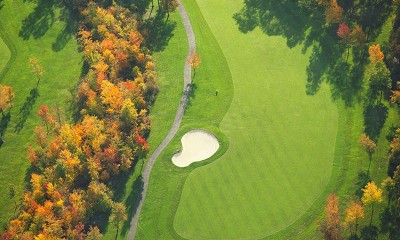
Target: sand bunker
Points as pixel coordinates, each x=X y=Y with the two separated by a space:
x=197 y=145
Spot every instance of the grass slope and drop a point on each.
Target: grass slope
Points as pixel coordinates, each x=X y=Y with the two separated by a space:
x=46 y=36
x=282 y=141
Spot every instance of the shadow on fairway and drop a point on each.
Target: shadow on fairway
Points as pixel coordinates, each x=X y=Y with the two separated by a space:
x=4 y=123
x=38 y=22
x=369 y=233
x=26 y=109
x=303 y=23
x=363 y=179
x=389 y=222
x=158 y=32
x=132 y=203
x=374 y=118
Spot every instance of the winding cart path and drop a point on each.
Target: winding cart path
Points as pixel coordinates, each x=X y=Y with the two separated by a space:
x=175 y=125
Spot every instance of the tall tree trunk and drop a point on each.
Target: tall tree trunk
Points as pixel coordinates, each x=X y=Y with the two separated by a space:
x=370 y=160
x=372 y=214
x=348 y=53
x=151 y=11
x=116 y=235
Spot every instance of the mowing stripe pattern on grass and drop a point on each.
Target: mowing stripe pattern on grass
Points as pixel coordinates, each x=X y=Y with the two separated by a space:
x=282 y=141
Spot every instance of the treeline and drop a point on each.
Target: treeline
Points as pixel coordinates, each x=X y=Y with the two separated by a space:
x=72 y=165
x=358 y=24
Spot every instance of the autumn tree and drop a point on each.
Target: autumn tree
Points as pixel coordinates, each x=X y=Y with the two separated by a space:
x=6 y=98
x=94 y=234
x=36 y=68
x=46 y=116
x=118 y=215
x=358 y=36
x=330 y=226
x=354 y=212
x=170 y=6
x=344 y=34
x=371 y=196
x=379 y=81
x=333 y=12
x=368 y=145
x=375 y=53
x=194 y=62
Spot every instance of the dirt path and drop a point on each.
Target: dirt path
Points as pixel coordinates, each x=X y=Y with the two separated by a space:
x=175 y=125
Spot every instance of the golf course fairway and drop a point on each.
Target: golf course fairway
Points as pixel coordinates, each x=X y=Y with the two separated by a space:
x=4 y=54
x=282 y=141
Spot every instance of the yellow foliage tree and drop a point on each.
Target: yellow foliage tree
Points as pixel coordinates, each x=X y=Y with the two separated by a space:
x=36 y=68
x=354 y=212
x=111 y=96
x=371 y=195
x=6 y=98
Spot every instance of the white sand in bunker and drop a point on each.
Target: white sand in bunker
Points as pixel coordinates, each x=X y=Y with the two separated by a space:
x=197 y=145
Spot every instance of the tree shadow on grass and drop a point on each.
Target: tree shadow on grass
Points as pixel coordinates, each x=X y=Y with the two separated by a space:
x=158 y=32
x=375 y=116
x=191 y=94
x=5 y=119
x=305 y=25
x=363 y=179
x=132 y=203
x=38 y=22
x=1 y=4
x=26 y=109
x=369 y=233
x=69 y=30
x=389 y=222
x=346 y=82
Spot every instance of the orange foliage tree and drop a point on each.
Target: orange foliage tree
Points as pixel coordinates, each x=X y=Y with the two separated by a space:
x=333 y=12
x=73 y=163
x=354 y=212
x=6 y=98
x=375 y=53
x=368 y=145
x=330 y=226
x=194 y=62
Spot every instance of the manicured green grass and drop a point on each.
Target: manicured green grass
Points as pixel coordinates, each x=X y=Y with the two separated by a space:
x=287 y=151
x=205 y=110
x=5 y=54
x=62 y=64
x=282 y=141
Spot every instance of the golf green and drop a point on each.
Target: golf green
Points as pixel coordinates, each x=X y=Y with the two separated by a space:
x=282 y=141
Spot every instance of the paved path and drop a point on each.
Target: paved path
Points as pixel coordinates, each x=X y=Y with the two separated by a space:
x=175 y=125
